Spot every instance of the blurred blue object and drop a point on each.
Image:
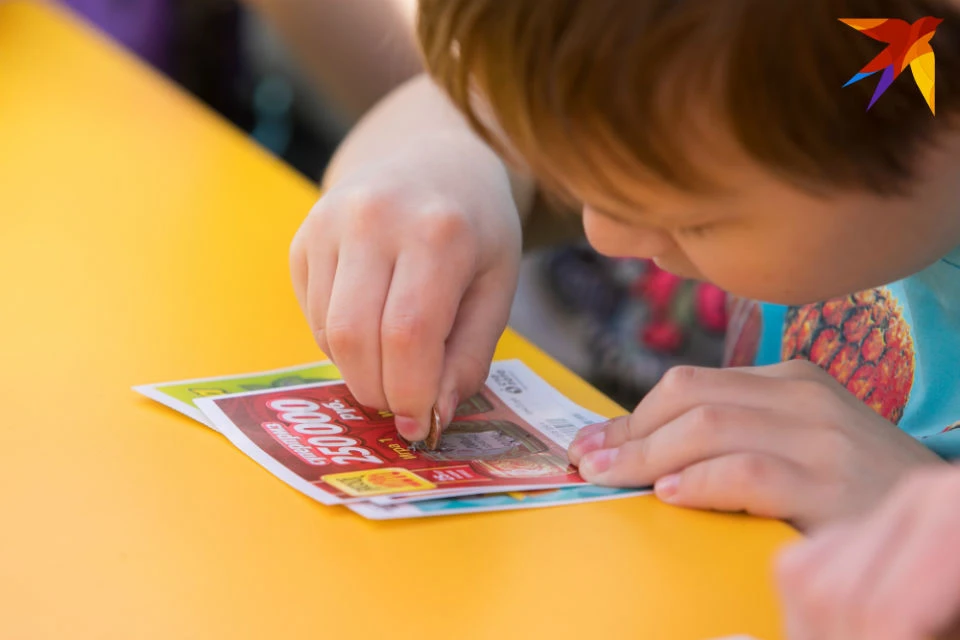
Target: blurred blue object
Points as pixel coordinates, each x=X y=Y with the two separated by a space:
x=272 y=104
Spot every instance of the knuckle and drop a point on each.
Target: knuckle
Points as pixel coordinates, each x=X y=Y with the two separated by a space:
x=354 y=209
x=321 y=214
x=678 y=379
x=447 y=227
x=749 y=470
x=706 y=417
x=405 y=332
x=366 y=215
x=811 y=391
x=353 y=200
x=343 y=336
x=803 y=369
x=829 y=449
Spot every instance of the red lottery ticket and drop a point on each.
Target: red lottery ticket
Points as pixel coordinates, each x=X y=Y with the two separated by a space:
x=320 y=440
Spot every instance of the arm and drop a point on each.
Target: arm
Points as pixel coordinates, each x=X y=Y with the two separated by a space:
x=357 y=51
x=418 y=113
x=407 y=265
x=332 y=40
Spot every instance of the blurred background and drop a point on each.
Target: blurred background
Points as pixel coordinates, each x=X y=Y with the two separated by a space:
x=295 y=75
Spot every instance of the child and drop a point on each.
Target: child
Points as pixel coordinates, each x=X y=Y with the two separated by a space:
x=890 y=576
x=713 y=137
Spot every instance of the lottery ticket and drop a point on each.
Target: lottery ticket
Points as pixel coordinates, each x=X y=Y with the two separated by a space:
x=493 y=502
x=317 y=438
x=180 y=395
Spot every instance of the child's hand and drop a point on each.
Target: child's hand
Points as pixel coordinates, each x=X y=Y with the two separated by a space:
x=785 y=441
x=406 y=271
x=894 y=575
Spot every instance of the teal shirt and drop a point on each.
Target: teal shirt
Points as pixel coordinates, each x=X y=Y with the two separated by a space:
x=896 y=347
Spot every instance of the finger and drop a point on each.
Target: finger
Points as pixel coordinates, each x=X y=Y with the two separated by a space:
x=916 y=593
x=706 y=432
x=759 y=484
x=840 y=599
x=799 y=563
x=298 y=268
x=417 y=319
x=352 y=325
x=480 y=322
x=683 y=388
x=819 y=604
x=798 y=569
x=594 y=438
x=849 y=576
x=313 y=274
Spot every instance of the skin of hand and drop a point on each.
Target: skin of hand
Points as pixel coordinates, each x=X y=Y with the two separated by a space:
x=407 y=265
x=785 y=441
x=891 y=575
x=406 y=271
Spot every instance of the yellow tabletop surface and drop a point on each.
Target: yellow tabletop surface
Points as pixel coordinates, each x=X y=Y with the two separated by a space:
x=144 y=239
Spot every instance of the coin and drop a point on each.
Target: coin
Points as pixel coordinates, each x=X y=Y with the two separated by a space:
x=433 y=436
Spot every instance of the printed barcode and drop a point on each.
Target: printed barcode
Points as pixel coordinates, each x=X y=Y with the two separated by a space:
x=561 y=430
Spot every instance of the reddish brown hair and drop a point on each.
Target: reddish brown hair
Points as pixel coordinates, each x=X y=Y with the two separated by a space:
x=570 y=81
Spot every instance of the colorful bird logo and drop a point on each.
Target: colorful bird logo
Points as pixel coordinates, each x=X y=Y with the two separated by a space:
x=909 y=45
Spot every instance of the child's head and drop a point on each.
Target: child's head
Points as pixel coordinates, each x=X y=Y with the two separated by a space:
x=716 y=135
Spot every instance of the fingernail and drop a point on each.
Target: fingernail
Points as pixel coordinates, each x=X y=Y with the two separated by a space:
x=590 y=429
x=666 y=487
x=598 y=462
x=592 y=442
x=408 y=428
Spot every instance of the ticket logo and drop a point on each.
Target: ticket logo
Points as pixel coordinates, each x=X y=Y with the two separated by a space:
x=375 y=482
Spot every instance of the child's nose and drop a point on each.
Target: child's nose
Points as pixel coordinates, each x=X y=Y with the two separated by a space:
x=617 y=239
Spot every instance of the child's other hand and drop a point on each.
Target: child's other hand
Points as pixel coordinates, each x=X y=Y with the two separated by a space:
x=894 y=575
x=785 y=441
x=406 y=271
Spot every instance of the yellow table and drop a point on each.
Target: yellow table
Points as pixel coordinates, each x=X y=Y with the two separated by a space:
x=143 y=239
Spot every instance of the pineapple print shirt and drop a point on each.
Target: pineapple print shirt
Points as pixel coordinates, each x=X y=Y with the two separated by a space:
x=897 y=348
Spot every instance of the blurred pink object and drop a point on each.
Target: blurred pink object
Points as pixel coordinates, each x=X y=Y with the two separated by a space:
x=657 y=287
x=664 y=336
x=711 y=304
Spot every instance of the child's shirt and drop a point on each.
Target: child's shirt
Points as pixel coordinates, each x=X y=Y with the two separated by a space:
x=897 y=348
